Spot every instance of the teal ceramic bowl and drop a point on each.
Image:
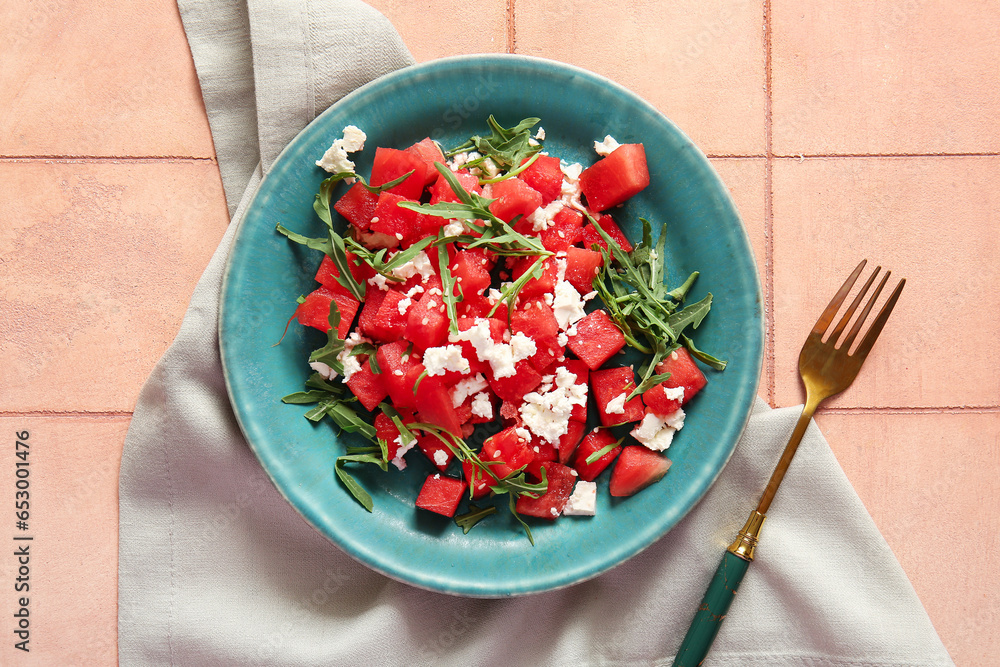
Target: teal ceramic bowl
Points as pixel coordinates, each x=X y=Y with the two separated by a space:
x=449 y=100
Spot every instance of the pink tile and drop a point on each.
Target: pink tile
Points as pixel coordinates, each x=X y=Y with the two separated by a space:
x=701 y=64
x=930 y=482
x=73 y=557
x=908 y=76
x=934 y=221
x=448 y=27
x=108 y=77
x=746 y=182
x=97 y=263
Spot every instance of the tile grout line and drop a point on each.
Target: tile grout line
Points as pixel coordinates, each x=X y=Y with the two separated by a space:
x=768 y=211
x=834 y=156
x=511 y=28
x=97 y=159
x=904 y=410
x=78 y=414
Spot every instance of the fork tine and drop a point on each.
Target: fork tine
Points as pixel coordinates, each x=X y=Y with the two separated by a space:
x=831 y=310
x=849 y=340
x=835 y=335
x=876 y=328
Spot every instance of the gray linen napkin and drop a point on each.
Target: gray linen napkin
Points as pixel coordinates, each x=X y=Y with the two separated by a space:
x=215 y=568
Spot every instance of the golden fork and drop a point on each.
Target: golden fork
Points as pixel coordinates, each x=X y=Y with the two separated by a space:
x=826 y=369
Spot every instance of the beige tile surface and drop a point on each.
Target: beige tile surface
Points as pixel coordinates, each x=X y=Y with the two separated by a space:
x=929 y=481
x=899 y=76
x=105 y=77
x=98 y=255
x=448 y=27
x=97 y=264
x=934 y=221
x=700 y=63
x=73 y=466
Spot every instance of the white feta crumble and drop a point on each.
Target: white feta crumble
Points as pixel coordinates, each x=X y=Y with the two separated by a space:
x=482 y=406
x=657 y=432
x=562 y=339
x=553 y=511
x=540 y=135
x=459 y=160
x=398 y=459
x=440 y=457
x=606 y=147
x=583 y=502
x=467 y=387
x=417 y=289
x=454 y=228
x=547 y=413
x=350 y=362
x=379 y=281
x=404 y=305
x=500 y=356
x=420 y=263
x=567 y=305
x=523 y=433
x=571 y=171
x=439 y=360
x=674 y=393
x=616 y=405
x=489 y=167
x=522 y=347
x=542 y=217
x=324 y=370
x=335 y=158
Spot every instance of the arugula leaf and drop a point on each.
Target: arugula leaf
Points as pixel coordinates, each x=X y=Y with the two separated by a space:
x=405 y=435
x=351 y=484
x=691 y=315
x=323 y=245
x=648 y=383
x=517 y=483
x=602 y=451
x=448 y=284
x=473 y=516
x=322 y=203
x=705 y=357
x=329 y=353
x=513 y=510
x=506 y=147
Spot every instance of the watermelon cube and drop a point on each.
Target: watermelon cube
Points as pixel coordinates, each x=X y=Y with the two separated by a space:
x=395 y=221
x=683 y=373
x=315 y=310
x=566 y=230
x=398 y=372
x=591 y=236
x=593 y=442
x=390 y=164
x=582 y=266
x=427 y=150
x=441 y=494
x=368 y=386
x=433 y=401
x=514 y=198
x=511 y=450
x=435 y=450
x=426 y=325
x=615 y=178
x=569 y=442
x=389 y=324
x=545 y=176
x=610 y=387
x=478 y=479
x=550 y=504
x=441 y=190
x=636 y=469
x=596 y=339
x=357 y=205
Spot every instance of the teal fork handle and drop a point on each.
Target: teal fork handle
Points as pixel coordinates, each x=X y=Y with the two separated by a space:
x=713 y=609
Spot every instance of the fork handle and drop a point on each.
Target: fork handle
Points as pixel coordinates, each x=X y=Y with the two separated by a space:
x=713 y=609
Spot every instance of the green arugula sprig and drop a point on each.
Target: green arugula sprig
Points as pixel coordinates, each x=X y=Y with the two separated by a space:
x=473 y=516
x=515 y=484
x=506 y=147
x=651 y=317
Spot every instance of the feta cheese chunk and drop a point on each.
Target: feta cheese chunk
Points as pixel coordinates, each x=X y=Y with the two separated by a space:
x=324 y=370
x=398 y=460
x=616 y=406
x=482 y=406
x=606 y=147
x=657 y=432
x=546 y=411
x=500 y=356
x=467 y=387
x=420 y=263
x=567 y=306
x=440 y=457
x=335 y=158
x=439 y=360
x=583 y=502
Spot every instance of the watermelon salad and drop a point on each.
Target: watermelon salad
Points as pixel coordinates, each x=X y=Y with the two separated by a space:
x=487 y=290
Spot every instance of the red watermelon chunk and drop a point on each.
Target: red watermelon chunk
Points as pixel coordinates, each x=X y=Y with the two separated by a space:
x=357 y=205
x=551 y=503
x=368 y=386
x=426 y=325
x=470 y=273
x=441 y=190
x=569 y=442
x=545 y=176
x=525 y=379
x=390 y=164
x=428 y=151
x=591 y=236
x=656 y=400
x=582 y=266
x=478 y=479
x=511 y=450
x=596 y=340
x=397 y=372
x=607 y=386
x=582 y=373
x=566 y=230
x=594 y=441
x=395 y=221
x=433 y=402
x=683 y=373
x=435 y=450
x=615 y=178
x=636 y=469
x=535 y=286
x=389 y=324
x=514 y=198
x=315 y=310
x=441 y=494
